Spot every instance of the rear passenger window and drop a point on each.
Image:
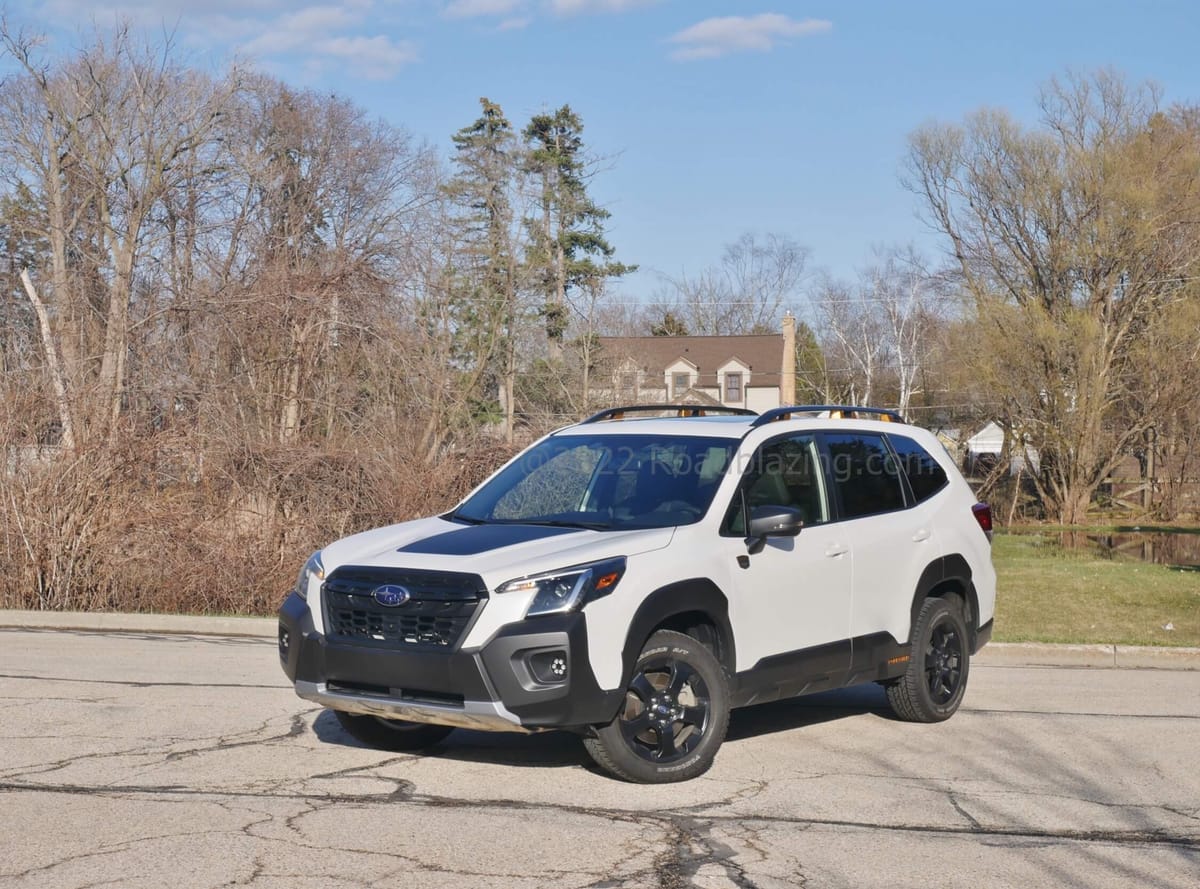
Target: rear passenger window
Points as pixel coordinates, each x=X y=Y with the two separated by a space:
x=925 y=475
x=864 y=473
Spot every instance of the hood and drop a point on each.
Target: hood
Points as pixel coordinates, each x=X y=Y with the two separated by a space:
x=497 y=552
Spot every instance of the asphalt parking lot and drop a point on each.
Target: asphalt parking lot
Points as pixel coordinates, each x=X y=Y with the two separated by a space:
x=141 y=760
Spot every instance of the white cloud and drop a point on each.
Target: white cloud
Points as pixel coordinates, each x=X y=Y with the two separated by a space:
x=299 y=29
x=517 y=14
x=721 y=36
x=156 y=13
x=515 y=24
x=375 y=58
x=466 y=9
x=277 y=33
x=327 y=34
x=576 y=7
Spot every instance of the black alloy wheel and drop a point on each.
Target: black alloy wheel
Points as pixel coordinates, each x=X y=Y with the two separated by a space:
x=944 y=662
x=667 y=710
x=673 y=717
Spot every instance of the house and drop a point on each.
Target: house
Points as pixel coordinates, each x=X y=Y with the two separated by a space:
x=985 y=448
x=754 y=371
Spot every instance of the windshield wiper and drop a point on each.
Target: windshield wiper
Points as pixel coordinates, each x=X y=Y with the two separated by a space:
x=459 y=517
x=563 y=523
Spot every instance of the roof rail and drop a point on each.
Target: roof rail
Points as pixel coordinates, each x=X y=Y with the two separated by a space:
x=835 y=411
x=682 y=410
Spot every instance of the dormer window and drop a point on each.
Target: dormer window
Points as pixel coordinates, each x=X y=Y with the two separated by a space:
x=733 y=387
x=680 y=383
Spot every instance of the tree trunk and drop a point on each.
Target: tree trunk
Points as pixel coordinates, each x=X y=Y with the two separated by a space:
x=1151 y=471
x=289 y=426
x=510 y=395
x=56 y=379
x=560 y=300
x=116 y=323
x=59 y=280
x=1074 y=507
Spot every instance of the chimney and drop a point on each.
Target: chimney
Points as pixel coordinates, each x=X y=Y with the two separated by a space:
x=787 y=373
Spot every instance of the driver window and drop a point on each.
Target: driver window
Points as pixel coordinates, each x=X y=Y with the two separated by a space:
x=784 y=472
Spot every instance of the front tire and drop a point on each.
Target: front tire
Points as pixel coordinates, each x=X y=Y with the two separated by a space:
x=391 y=734
x=936 y=679
x=673 y=718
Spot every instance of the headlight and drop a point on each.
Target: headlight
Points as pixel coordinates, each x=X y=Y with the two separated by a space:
x=569 y=588
x=312 y=568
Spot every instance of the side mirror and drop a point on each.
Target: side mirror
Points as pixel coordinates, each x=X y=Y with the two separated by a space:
x=772 y=521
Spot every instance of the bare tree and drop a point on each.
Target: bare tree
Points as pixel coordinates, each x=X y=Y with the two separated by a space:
x=879 y=333
x=106 y=141
x=56 y=378
x=855 y=339
x=1071 y=240
x=747 y=292
x=321 y=197
x=34 y=147
x=902 y=289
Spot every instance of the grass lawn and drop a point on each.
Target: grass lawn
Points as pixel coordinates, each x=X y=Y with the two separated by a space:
x=1049 y=594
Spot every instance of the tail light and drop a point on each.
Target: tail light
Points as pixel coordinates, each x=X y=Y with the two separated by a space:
x=983 y=515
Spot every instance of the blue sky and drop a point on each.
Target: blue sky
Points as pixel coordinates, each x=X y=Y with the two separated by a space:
x=717 y=117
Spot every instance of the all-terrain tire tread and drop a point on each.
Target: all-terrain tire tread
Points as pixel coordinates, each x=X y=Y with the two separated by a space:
x=908 y=693
x=602 y=753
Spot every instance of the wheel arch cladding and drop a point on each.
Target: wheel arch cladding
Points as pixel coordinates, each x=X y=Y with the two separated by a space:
x=947 y=574
x=681 y=606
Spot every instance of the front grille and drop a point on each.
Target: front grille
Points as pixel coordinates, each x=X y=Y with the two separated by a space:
x=436 y=617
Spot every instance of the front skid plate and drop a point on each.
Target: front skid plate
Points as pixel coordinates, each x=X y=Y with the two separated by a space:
x=484 y=716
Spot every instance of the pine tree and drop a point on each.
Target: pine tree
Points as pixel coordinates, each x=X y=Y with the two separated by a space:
x=568 y=246
x=482 y=186
x=670 y=325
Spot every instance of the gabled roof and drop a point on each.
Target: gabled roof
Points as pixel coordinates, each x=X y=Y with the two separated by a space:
x=733 y=359
x=694 y=396
x=680 y=359
x=763 y=353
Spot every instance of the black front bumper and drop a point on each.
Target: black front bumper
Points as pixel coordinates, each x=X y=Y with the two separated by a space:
x=511 y=682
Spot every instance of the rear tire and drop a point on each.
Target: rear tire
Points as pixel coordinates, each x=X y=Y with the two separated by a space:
x=673 y=718
x=933 y=686
x=391 y=734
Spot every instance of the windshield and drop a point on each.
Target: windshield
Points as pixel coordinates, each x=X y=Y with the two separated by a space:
x=608 y=482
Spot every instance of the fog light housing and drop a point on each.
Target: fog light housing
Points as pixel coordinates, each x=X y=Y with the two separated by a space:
x=285 y=642
x=550 y=667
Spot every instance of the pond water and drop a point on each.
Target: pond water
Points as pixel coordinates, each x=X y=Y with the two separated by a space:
x=1178 y=548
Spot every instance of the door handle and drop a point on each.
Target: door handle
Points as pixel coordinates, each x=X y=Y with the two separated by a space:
x=921 y=535
x=834 y=550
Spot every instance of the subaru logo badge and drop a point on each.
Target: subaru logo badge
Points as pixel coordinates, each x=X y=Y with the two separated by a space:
x=391 y=596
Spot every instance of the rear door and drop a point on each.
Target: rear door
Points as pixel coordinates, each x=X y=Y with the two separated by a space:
x=891 y=537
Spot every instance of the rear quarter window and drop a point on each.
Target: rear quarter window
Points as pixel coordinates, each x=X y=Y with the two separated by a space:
x=925 y=475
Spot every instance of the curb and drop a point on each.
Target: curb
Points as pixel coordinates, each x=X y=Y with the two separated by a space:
x=115 y=622
x=1122 y=657
x=1040 y=654
x=994 y=654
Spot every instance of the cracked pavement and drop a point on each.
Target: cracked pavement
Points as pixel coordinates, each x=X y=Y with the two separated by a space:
x=136 y=760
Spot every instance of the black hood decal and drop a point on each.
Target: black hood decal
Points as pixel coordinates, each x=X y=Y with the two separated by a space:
x=474 y=539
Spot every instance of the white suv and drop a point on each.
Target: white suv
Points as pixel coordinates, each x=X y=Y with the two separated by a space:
x=634 y=577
